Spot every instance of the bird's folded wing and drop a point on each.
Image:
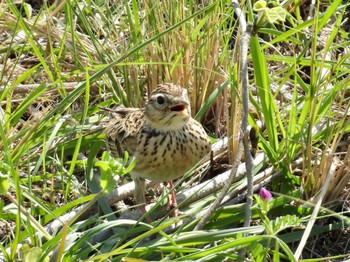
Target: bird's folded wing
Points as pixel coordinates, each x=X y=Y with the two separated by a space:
x=122 y=130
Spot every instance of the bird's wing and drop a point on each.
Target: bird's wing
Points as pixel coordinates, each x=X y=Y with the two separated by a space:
x=122 y=129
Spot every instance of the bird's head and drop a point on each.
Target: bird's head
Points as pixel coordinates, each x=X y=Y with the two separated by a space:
x=168 y=107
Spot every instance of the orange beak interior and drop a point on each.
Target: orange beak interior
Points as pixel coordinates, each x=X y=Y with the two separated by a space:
x=178 y=108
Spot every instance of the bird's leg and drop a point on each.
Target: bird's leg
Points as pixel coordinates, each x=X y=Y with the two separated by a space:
x=140 y=188
x=173 y=204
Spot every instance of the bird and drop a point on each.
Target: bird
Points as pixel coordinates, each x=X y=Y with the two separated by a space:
x=163 y=137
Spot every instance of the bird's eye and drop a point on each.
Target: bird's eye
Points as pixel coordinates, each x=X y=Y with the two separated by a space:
x=160 y=100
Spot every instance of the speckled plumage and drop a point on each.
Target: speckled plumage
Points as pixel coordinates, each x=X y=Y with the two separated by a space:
x=163 y=137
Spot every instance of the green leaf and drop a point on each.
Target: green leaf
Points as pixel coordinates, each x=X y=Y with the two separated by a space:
x=28 y=10
x=275 y=14
x=258 y=251
x=4 y=184
x=211 y=99
x=4 y=178
x=107 y=181
x=268 y=105
x=284 y=222
x=32 y=254
x=130 y=166
x=259 y=6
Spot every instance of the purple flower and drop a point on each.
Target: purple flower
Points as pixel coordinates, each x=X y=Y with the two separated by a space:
x=265 y=194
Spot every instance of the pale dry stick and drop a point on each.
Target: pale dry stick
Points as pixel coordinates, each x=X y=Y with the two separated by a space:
x=248 y=157
x=36 y=224
x=245 y=39
x=244 y=82
x=185 y=197
x=118 y=194
x=267 y=177
x=223 y=192
x=68 y=86
x=206 y=188
x=58 y=8
x=314 y=213
x=311 y=10
x=41 y=29
x=200 y=191
x=342 y=177
x=121 y=193
x=224 y=177
x=261 y=179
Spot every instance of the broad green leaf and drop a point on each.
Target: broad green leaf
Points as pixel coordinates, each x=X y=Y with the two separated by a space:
x=275 y=14
x=107 y=180
x=4 y=184
x=4 y=178
x=32 y=254
x=259 y=6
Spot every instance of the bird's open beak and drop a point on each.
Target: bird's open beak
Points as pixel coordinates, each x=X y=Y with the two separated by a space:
x=179 y=106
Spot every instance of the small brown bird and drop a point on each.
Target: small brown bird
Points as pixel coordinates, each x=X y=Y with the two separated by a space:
x=163 y=137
